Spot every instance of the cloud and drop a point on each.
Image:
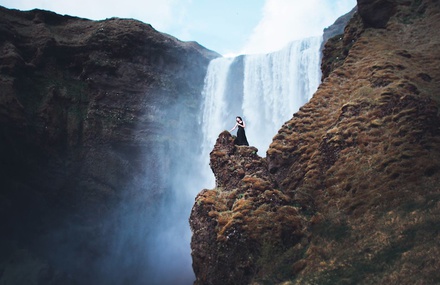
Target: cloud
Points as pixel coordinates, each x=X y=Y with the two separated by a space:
x=161 y=14
x=227 y=26
x=286 y=20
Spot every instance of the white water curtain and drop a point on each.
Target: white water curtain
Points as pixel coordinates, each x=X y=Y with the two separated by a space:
x=275 y=86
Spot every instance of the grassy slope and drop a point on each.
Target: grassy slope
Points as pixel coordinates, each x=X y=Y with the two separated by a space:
x=367 y=151
x=352 y=195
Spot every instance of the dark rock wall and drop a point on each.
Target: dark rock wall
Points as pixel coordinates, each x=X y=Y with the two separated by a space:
x=337 y=28
x=89 y=114
x=349 y=190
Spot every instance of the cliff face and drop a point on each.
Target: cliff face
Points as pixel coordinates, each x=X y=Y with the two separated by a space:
x=349 y=190
x=88 y=113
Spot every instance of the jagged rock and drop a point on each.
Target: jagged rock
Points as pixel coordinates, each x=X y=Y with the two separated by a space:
x=376 y=13
x=336 y=48
x=358 y=165
x=245 y=222
x=229 y=171
x=337 y=28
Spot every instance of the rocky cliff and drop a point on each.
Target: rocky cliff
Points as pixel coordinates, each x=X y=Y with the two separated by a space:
x=89 y=112
x=349 y=190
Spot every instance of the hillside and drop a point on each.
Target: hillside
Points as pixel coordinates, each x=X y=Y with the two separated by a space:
x=349 y=192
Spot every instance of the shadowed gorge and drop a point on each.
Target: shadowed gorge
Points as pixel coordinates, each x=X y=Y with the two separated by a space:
x=93 y=115
x=348 y=192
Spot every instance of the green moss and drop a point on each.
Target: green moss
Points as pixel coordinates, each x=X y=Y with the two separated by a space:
x=359 y=269
x=276 y=263
x=34 y=91
x=415 y=11
x=428 y=203
x=334 y=231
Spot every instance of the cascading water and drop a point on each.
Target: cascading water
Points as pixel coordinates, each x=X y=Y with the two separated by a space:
x=264 y=89
x=215 y=111
x=276 y=85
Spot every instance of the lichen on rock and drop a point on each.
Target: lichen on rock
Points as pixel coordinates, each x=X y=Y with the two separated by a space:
x=245 y=221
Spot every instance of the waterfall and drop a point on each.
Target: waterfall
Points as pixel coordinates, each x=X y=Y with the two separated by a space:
x=276 y=85
x=265 y=89
x=215 y=110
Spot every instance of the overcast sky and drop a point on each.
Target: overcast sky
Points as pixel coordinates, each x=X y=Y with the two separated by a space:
x=229 y=27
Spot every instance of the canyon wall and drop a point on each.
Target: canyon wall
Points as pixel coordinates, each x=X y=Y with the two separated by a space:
x=89 y=112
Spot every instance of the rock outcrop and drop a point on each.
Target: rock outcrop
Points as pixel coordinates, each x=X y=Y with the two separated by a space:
x=349 y=190
x=337 y=28
x=242 y=228
x=89 y=111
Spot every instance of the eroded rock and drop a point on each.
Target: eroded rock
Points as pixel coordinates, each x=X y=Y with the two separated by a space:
x=244 y=222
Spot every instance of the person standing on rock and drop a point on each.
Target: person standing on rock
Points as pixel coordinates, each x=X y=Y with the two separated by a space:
x=241 y=135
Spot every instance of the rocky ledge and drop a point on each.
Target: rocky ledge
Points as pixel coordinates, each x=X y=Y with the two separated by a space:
x=242 y=227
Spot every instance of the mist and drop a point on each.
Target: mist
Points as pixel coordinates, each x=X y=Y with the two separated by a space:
x=153 y=242
x=231 y=89
x=142 y=236
x=161 y=231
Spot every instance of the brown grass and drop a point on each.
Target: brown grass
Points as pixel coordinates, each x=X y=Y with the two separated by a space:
x=353 y=194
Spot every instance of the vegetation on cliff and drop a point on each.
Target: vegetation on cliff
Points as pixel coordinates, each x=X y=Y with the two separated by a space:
x=349 y=190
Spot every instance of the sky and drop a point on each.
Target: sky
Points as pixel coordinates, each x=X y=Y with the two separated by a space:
x=229 y=27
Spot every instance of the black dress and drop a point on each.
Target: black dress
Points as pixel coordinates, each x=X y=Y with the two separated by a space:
x=241 y=137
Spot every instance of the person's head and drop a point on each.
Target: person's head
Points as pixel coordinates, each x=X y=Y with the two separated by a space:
x=238 y=119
